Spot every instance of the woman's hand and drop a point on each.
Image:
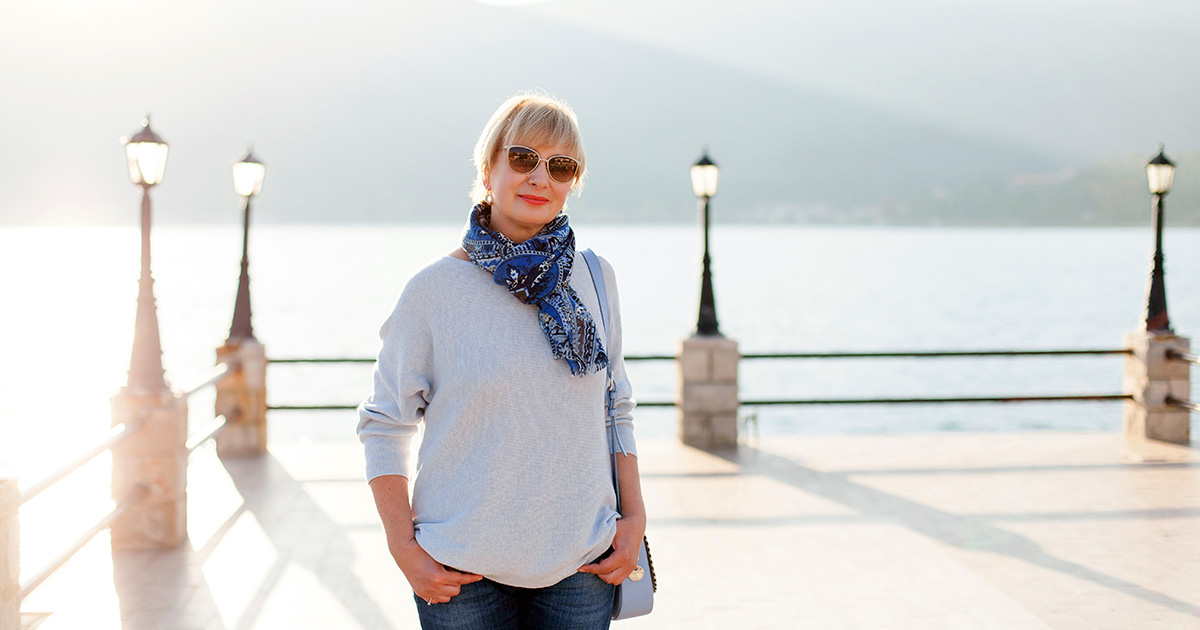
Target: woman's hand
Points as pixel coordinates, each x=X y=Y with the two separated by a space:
x=430 y=580
x=626 y=544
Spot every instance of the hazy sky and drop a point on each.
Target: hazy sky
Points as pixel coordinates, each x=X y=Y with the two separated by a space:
x=333 y=93
x=1070 y=75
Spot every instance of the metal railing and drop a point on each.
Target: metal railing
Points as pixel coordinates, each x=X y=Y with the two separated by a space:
x=933 y=354
x=219 y=423
x=352 y=360
x=830 y=355
x=1170 y=400
x=217 y=373
x=211 y=431
x=115 y=436
x=925 y=401
x=1179 y=355
x=135 y=496
x=1185 y=404
x=323 y=360
x=318 y=360
x=213 y=428
x=941 y=354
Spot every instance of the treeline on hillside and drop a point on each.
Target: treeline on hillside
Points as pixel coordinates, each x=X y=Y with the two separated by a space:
x=1108 y=193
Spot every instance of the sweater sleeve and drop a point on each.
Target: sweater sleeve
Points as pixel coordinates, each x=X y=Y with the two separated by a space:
x=625 y=402
x=389 y=418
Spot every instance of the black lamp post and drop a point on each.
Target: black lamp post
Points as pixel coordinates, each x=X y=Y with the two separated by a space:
x=247 y=182
x=704 y=185
x=1160 y=175
x=147 y=155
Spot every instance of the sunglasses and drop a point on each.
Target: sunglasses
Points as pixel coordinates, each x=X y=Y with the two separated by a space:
x=524 y=160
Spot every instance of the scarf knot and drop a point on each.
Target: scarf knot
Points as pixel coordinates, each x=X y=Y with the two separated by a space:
x=538 y=272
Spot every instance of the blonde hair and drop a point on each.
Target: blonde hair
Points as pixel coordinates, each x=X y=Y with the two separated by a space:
x=528 y=119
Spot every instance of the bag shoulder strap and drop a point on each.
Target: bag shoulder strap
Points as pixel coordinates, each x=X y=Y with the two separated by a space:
x=597 y=272
x=593 y=265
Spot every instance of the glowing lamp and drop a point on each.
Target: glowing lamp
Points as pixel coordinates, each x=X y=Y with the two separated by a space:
x=248 y=175
x=1160 y=173
x=147 y=155
x=704 y=177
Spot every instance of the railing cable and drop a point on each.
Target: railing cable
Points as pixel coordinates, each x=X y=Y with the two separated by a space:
x=916 y=401
x=311 y=407
x=212 y=430
x=965 y=399
x=1183 y=356
x=323 y=360
x=136 y=495
x=822 y=355
x=215 y=374
x=932 y=354
x=115 y=435
x=808 y=355
x=1186 y=404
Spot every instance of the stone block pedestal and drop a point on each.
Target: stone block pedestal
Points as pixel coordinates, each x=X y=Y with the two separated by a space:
x=708 y=392
x=242 y=399
x=1150 y=377
x=154 y=457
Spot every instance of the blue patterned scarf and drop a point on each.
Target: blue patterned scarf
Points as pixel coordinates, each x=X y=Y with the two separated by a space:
x=538 y=272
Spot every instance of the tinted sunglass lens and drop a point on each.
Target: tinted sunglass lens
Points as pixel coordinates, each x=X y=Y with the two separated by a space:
x=522 y=160
x=562 y=169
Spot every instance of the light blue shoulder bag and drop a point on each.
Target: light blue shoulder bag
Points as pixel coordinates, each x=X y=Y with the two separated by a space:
x=635 y=595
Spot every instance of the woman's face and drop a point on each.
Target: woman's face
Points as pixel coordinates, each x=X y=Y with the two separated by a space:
x=524 y=202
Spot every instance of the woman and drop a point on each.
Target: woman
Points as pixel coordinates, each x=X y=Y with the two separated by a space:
x=499 y=352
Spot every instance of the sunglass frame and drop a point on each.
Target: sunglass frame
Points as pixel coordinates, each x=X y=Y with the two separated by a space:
x=508 y=154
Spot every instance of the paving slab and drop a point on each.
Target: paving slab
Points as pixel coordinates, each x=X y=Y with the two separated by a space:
x=950 y=530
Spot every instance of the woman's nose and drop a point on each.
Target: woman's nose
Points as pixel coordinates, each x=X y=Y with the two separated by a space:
x=539 y=174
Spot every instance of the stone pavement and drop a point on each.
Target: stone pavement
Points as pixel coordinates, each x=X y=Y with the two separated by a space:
x=951 y=530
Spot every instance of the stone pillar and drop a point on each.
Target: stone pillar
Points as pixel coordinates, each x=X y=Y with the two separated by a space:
x=708 y=391
x=154 y=456
x=242 y=399
x=10 y=556
x=1150 y=377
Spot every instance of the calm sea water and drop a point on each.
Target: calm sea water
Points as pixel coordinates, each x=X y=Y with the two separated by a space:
x=322 y=291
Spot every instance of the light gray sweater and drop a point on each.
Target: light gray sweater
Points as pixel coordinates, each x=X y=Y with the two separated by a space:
x=512 y=480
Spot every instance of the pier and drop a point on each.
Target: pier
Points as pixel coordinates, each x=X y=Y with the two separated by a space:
x=214 y=527
x=1017 y=530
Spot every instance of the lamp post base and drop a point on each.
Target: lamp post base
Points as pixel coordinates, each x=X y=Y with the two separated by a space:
x=708 y=392
x=242 y=399
x=154 y=457
x=1151 y=377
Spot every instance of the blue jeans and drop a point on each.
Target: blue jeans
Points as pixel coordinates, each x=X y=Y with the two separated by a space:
x=580 y=602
